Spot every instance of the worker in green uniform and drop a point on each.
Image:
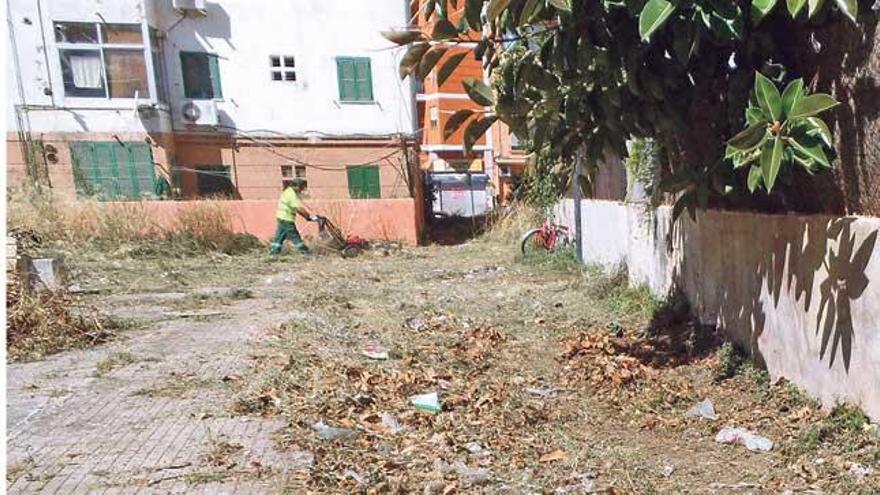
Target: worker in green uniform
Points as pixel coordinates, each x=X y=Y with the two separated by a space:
x=289 y=206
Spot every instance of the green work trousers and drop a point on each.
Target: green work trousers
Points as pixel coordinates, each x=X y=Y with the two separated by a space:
x=287 y=230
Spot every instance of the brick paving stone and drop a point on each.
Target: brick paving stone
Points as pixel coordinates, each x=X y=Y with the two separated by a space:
x=102 y=434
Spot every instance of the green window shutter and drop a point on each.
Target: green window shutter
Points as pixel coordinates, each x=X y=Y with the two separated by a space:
x=363 y=182
x=345 y=73
x=214 y=63
x=372 y=188
x=110 y=170
x=355 y=182
x=364 y=78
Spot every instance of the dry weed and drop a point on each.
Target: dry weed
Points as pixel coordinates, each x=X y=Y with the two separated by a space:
x=43 y=323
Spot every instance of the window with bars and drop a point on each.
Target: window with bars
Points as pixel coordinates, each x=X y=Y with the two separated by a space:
x=355 y=79
x=102 y=60
x=201 y=76
x=283 y=68
x=110 y=170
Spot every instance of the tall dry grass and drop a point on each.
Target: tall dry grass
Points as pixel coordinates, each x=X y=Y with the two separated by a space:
x=508 y=224
x=201 y=225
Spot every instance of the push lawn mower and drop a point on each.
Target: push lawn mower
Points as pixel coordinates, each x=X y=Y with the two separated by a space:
x=348 y=246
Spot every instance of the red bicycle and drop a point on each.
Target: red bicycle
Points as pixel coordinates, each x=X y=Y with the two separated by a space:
x=549 y=237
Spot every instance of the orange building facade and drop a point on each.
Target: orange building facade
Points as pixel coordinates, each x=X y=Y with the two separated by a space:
x=496 y=154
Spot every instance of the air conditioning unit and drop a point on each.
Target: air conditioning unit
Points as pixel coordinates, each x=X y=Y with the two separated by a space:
x=186 y=6
x=199 y=112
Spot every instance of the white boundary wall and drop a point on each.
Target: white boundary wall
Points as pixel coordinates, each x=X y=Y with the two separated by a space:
x=802 y=293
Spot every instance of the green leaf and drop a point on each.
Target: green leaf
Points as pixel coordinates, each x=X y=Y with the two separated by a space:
x=478 y=92
x=793 y=92
x=472 y=10
x=474 y=130
x=795 y=7
x=561 y=4
x=822 y=130
x=754 y=178
x=755 y=115
x=455 y=122
x=429 y=60
x=809 y=106
x=814 y=6
x=449 y=66
x=813 y=151
x=749 y=138
x=529 y=11
x=411 y=59
x=771 y=160
x=850 y=8
x=495 y=8
x=653 y=16
x=403 y=36
x=760 y=9
x=444 y=30
x=768 y=96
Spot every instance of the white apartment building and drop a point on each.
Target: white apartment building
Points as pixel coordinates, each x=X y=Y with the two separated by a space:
x=118 y=98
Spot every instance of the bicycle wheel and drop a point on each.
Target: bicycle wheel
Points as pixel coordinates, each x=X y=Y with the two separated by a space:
x=532 y=243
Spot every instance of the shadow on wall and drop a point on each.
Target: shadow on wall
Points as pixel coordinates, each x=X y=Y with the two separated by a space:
x=735 y=264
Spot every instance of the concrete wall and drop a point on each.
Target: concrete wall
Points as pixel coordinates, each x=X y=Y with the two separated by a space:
x=801 y=293
x=372 y=219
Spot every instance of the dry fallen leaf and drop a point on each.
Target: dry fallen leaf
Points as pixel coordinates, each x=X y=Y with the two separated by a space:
x=556 y=455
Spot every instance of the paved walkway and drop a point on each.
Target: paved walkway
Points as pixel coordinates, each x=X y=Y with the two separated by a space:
x=147 y=425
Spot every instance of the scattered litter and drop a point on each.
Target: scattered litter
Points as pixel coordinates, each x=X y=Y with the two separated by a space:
x=426 y=402
x=325 y=432
x=415 y=324
x=390 y=422
x=556 y=455
x=375 y=351
x=585 y=484
x=859 y=471
x=668 y=470
x=545 y=392
x=742 y=436
x=355 y=476
x=472 y=476
x=704 y=410
x=473 y=447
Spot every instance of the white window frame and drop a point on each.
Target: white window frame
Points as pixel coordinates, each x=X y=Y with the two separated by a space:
x=100 y=46
x=283 y=69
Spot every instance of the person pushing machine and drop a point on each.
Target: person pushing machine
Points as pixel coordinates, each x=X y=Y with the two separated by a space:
x=289 y=206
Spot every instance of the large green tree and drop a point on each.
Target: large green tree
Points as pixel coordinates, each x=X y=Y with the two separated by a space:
x=709 y=79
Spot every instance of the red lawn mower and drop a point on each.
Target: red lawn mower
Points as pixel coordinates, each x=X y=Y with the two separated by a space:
x=348 y=246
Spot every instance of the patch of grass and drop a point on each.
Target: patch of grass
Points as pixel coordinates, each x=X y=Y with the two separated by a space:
x=202 y=478
x=561 y=260
x=175 y=387
x=844 y=424
x=115 y=360
x=727 y=363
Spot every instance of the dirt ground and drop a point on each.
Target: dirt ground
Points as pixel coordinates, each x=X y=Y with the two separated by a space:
x=250 y=374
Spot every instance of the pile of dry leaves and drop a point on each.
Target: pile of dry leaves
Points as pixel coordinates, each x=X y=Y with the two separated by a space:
x=41 y=323
x=355 y=414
